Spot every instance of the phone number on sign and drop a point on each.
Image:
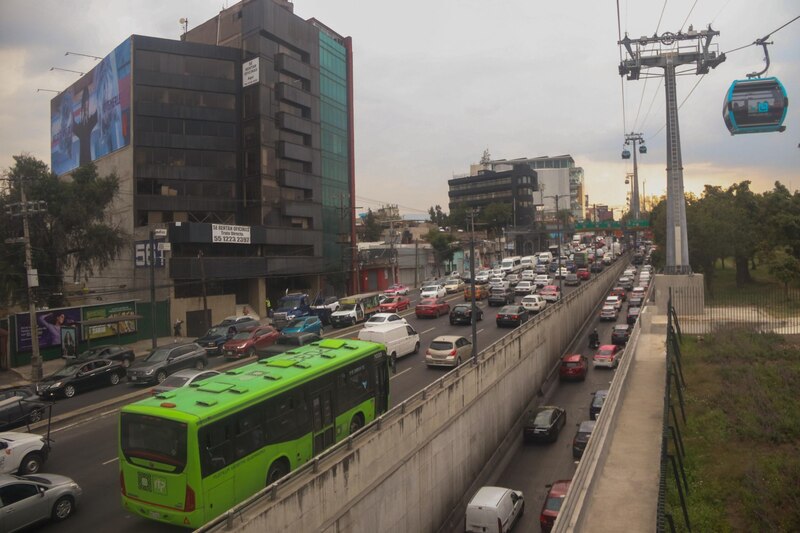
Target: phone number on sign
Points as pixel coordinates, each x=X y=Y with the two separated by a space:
x=231 y=238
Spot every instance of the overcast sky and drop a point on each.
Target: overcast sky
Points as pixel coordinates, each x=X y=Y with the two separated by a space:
x=439 y=81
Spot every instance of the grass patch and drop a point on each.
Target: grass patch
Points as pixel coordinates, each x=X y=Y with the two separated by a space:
x=742 y=436
x=764 y=292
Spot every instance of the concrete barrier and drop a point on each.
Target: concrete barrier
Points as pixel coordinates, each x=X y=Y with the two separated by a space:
x=410 y=468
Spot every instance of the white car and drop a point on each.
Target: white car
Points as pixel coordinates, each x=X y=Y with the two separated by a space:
x=22 y=453
x=482 y=277
x=433 y=291
x=524 y=287
x=542 y=279
x=528 y=275
x=561 y=273
x=534 y=303
x=497 y=281
x=616 y=301
x=453 y=285
x=379 y=319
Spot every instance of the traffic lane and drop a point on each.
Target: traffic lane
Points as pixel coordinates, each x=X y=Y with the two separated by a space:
x=88 y=454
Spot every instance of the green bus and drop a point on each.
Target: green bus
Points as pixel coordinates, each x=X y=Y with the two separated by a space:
x=188 y=455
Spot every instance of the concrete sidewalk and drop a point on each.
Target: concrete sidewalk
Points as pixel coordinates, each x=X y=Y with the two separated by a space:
x=21 y=376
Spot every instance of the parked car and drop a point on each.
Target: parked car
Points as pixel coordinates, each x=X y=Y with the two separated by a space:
x=607 y=356
x=574 y=367
x=524 y=287
x=551 y=293
x=22 y=453
x=462 y=314
x=512 y=315
x=621 y=333
x=633 y=314
x=544 y=423
x=448 y=350
x=110 y=351
x=583 y=274
x=398 y=289
x=598 y=399
x=182 y=378
x=572 y=279
x=247 y=343
x=215 y=338
x=534 y=303
x=20 y=406
x=286 y=342
x=81 y=376
x=481 y=292
x=552 y=503
x=378 y=319
x=394 y=304
x=240 y=323
x=581 y=438
x=433 y=291
x=167 y=360
x=306 y=324
x=432 y=307
x=453 y=285
x=494 y=507
x=500 y=296
x=29 y=500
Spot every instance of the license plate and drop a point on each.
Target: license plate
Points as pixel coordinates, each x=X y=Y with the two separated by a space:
x=230 y=352
x=154 y=514
x=132 y=378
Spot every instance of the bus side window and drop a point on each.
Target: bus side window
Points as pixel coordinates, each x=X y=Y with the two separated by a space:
x=249 y=435
x=216 y=448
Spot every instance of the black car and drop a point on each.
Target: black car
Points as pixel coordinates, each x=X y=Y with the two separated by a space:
x=165 y=360
x=286 y=342
x=635 y=301
x=598 y=399
x=572 y=279
x=500 y=296
x=462 y=314
x=20 y=406
x=81 y=376
x=581 y=438
x=215 y=337
x=620 y=334
x=111 y=351
x=512 y=315
x=597 y=266
x=544 y=424
x=633 y=314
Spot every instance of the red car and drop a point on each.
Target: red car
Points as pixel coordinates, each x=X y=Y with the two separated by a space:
x=607 y=355
x=583 y=274
x=552 y=503
x=434 y=307
x=573 y=367
x=245 y=343
x=394 y=304
x=396 y=289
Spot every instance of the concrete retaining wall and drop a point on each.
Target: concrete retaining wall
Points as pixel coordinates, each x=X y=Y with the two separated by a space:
x=408 y=470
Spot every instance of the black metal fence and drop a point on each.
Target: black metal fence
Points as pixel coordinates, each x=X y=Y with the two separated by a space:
x=768 y=310
x=672 y=456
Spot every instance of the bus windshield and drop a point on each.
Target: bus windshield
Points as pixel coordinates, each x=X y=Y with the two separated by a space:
x=154 y=439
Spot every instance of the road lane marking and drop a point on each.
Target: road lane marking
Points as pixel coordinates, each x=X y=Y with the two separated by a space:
x=110 y=461
x=427 y=331
x=83 y=421
x=399 y=374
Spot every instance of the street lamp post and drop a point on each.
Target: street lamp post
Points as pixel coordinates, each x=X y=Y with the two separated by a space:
x=556 y=197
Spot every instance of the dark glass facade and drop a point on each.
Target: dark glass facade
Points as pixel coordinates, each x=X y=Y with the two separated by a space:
x=514 y=187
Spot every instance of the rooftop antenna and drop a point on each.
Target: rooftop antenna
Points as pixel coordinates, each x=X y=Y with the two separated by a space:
x=185 y=23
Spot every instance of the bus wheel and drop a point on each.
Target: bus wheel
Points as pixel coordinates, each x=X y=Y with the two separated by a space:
x=356 y=423
x=277 y=470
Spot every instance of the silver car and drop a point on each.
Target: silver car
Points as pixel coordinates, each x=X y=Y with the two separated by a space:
x=28 y=500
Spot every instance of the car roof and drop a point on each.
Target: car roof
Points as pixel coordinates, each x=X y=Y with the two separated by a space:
x=487 y=496
x=608 y=347
x=559 y=488
x=587 y=426
x=622 y=326
x=447 y=338
x=382 y=315
x=190 y=372
x=572 y=357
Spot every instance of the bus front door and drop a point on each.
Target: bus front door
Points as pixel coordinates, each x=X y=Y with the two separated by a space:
x=322 y=413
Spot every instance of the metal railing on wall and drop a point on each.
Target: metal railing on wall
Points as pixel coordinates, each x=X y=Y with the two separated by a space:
x=672 y=456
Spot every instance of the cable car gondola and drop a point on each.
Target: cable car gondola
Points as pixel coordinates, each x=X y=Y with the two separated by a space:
x=642 y=149
x=756 y=105
x=626 y=154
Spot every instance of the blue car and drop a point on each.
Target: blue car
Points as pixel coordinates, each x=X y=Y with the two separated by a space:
x=307 y=324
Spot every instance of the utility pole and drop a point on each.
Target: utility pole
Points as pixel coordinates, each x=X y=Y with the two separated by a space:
x=416 y=263
x=556 y=197
x=153 y=287
x=474 y=307
x=205 y=298
x=668 y=59
x=633 y=138
x=27 y=208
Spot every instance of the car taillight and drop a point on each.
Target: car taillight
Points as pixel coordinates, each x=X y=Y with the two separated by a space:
x=453 y=351
x=515 y=317
x=122 y=483
x=190 y=500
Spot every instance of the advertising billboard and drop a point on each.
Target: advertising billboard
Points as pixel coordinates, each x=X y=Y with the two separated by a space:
x=49 y=324
x=109 y=311
x=92 y=117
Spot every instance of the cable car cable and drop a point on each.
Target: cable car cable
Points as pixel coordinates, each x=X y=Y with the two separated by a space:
x=767 y=36
x=687 y=16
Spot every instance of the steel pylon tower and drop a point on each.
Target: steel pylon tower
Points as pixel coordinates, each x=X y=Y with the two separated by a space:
x=633 y=138
x=668 y=59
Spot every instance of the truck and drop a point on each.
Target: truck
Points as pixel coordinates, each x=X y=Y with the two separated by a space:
x=291 y=306
x=616 y=247
x=355 y=309
x=581 y=259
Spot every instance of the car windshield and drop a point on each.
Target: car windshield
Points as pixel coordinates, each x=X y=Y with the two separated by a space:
x=430 y=288
x=217 y=332
x=243 y=335
x=509 y=309
x=606 y=351
x=461 y=309
x=391 y=300
x=174 y=382
x=157 y=355
x=290 y=302
x=297 y=322
x=621 y=329
x=542 y=418
x=599 y=398
x=553 y=503
x=88 y=354
x=378 y=319
x=441 y=345
x=347 y=307
x=427 y=301
x=67 y=371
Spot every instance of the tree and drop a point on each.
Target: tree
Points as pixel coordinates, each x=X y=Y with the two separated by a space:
x=784 y=266
x=71 y=236
x=437 y=216
x=442 y=247
x=496 y=216
x=372 y=229
x=458 y=218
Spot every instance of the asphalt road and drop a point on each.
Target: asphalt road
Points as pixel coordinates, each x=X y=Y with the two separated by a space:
x=87 y=451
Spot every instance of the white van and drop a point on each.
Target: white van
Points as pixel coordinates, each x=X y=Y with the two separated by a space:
x=545 y=257
x=494 y=509
x=399 y=339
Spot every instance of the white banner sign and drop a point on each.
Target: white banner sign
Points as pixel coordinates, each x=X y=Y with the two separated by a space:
x=250 y=72
x=226 y=233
